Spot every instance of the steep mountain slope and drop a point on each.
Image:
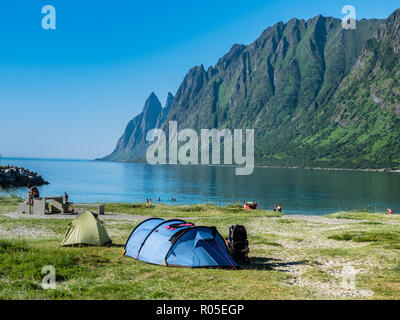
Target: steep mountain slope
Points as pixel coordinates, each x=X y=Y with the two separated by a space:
x=316 y=95
x=360 y=125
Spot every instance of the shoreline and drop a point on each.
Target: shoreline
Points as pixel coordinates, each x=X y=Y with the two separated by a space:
x=385 y=170
x=124 y=208
x=332 y=169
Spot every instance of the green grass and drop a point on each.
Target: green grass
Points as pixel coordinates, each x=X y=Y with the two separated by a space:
x=369 y=216
x=282 y=250
x=388 y=239
x=201 y=210
x=319 y=275
x=9 y=203
x=102 y=273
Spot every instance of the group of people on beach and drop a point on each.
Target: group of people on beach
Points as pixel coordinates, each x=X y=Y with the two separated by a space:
x=34 y=193
x=148 y=200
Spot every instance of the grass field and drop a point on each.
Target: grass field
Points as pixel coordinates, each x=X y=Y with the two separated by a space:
x=293 y=257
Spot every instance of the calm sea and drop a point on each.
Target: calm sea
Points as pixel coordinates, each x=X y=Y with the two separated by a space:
x=299 y=191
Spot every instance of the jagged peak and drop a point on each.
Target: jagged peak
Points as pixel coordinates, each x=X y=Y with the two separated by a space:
x=235 y=52
x=277 y=28
x=314 y=21
x=152 y=104
x=394 y=17
x=292 y=21
x=169 y=100
x=152 y=96
x=390 y=26
x=396 y=13
x=196 y=70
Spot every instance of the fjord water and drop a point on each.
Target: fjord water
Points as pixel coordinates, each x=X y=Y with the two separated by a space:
x=299 y=191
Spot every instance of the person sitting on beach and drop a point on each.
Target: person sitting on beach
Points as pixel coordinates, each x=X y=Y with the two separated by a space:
x=33 y=193
x=277 y=208
x=389 y=211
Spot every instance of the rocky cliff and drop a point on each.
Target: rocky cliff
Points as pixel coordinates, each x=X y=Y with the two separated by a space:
x=315 y=94
x=132 y=144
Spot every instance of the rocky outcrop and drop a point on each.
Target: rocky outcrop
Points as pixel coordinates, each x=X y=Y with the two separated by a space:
x=131 y=145
x=19 y=177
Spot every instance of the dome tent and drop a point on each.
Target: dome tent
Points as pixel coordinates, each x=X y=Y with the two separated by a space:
x=87 y=229
x=178 y=243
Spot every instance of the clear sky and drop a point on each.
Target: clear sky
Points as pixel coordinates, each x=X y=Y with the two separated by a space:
x=69 y=92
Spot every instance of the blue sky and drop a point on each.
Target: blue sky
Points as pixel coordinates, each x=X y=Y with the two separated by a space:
x=69 y=92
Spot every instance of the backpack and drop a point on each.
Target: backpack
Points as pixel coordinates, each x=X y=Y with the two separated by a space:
x=238 y=245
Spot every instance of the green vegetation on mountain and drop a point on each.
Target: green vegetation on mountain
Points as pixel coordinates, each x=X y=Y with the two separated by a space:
x=315 y=94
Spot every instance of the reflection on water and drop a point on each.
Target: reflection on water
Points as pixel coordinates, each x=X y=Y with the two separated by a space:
x=299 y=191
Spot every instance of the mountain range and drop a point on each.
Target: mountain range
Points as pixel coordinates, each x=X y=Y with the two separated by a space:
x=316 y=94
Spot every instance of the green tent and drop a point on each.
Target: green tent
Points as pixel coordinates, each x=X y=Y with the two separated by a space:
x=87 y=229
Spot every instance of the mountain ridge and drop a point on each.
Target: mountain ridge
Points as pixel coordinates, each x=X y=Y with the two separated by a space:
x=288 y=85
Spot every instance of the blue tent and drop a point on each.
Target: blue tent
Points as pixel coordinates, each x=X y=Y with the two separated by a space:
x=178 y=243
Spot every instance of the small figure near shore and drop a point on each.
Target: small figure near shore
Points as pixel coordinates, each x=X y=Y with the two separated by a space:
x=33 y=193
x=147 y=200
x=159 y=200
x=277 y=208
x=250 y=205
x=150 y=201
x=389 y=211
x=66 y=198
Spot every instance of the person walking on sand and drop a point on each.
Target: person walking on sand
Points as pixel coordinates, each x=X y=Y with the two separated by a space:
x=389 y=211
